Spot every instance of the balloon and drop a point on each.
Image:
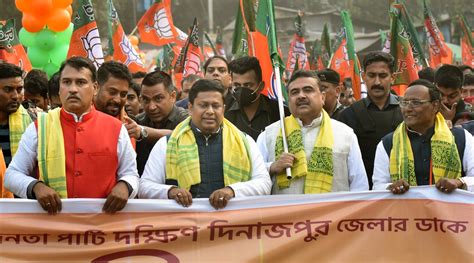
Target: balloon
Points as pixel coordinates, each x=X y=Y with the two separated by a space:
x=69 y=10
x=46 y=39
x=38 y=57
x=59 y=20
x=134 y=40
x=23 y=5
x=64 y=37
x=50 y=69
x=59 y=54
x=61 y=3
x=41 y=8
x=31 y=23
x=27 y=39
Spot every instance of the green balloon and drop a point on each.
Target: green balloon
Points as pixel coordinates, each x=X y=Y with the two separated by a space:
x=59 y=54
x=64 y=37
x=46 y=39
x=38 y=57
x=27 y=39
x=50 y=69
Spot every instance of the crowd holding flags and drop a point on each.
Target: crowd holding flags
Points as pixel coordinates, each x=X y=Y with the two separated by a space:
x=254 y=35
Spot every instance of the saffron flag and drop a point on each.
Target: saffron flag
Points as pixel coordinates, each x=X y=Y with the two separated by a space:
x=85 y=40
x=189 y=59
x=220 y=43
x=266 y=47
x=405 y=69
x=119 y=45
x=11 y=50
x=440 y=53
x=344 y=60
x=297 y=48
x=208 y=49
x=156 y=26
x=467 y=42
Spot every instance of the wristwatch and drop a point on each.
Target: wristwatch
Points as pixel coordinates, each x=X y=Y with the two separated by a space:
x=143 y=134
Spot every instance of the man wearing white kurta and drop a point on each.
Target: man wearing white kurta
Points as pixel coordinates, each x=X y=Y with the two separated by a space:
x=305 y=103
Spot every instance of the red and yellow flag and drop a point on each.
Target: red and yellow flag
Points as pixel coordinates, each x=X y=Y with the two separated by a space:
x=297 y=57
x=85 y=40
x=11 y=50
x=156 y=26
x=119 y=45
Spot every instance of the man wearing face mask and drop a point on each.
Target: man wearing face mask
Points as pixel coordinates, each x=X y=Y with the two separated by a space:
x=252 y=111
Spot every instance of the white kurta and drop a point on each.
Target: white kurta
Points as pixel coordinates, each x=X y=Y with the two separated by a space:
x=349 y=171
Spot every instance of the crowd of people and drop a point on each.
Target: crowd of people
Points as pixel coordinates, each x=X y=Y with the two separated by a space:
x=108 y=133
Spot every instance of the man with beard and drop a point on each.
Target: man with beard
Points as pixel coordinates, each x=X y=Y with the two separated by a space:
x=78 y=151
x=252 y=111
x=449 y=81
x=160 y=114
x=379 y=113
x=14 y=119
x=423 y=150
x=36 y=89
x=114 y=80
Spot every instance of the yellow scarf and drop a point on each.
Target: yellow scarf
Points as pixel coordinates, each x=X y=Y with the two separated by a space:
x=444 y=154
x=18 y=122
x=3 y=167
x=51 y=152
x=319 y=170
x=182 y=156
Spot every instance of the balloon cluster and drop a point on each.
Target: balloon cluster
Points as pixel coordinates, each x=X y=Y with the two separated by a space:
x=46 y=31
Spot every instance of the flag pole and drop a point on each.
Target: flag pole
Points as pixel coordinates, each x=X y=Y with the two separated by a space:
x=281 y=110
x=133 y=31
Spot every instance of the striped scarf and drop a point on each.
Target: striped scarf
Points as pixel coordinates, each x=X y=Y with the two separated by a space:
x=51 y=152
x=444 y=154
x=182 y=156
x=18 y=122
x=319 y=170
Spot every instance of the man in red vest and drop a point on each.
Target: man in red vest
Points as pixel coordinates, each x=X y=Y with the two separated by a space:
x=95 y=158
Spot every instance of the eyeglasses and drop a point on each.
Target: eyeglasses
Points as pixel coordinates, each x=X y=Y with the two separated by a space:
x=413 y=103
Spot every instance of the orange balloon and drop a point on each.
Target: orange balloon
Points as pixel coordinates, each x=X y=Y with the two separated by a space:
x=23 y=5
x=41 y=8
x=61 y=3
x=31 y=23
x=59 y=20
x=133 y=40
x=69 y=9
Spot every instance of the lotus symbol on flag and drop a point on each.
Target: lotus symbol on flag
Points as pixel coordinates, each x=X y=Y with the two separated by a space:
x=192 y=64
x=91 y=43
x=132 y=55
x=161 y=25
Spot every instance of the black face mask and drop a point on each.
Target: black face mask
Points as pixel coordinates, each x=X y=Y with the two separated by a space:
x=245 y=96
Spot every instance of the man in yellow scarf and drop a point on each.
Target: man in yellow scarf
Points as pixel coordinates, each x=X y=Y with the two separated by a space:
x=13 y=117
x=423 y=150
x=206 y=156
x=324 y=154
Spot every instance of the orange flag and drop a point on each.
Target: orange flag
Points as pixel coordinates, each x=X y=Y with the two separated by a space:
x=440 y=53
x=156 y=26
x=11 y=50
x=189 y=60
x=119 y=45
x=85 y=40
